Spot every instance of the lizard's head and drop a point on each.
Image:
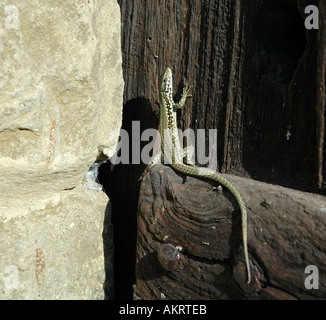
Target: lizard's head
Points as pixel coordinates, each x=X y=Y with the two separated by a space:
x=166 y=82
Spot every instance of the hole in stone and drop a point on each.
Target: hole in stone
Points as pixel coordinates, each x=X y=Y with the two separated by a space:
x=91 y=176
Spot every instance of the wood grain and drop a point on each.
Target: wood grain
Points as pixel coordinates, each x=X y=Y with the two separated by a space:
x=286 y=233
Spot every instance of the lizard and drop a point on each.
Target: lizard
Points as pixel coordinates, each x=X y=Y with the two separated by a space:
x=173 y=154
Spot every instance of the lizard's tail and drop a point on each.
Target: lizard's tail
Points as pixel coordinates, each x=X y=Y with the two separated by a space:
x=215 y=176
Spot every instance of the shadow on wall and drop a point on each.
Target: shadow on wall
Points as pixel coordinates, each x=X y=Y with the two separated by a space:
x=122 y=187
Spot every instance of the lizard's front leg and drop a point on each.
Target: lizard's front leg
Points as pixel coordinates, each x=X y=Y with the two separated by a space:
x=183 y=98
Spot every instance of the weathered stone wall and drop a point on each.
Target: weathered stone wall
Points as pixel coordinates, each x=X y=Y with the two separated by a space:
x=61 y=92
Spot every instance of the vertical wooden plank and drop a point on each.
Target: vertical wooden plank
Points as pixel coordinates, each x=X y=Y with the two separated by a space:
x=253 y=69
x=320 y=110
